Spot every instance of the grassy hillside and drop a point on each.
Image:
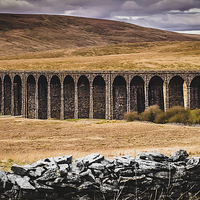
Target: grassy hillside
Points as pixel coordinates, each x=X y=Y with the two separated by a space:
x=35 y=33
x=169 y=55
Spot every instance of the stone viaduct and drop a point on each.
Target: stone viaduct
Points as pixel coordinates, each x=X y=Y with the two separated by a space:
x=94 y=94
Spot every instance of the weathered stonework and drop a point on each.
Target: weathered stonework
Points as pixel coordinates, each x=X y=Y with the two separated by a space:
x=151 y=175
x=94 y=94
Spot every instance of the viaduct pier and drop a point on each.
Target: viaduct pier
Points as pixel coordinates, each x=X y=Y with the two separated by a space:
x=94 y=94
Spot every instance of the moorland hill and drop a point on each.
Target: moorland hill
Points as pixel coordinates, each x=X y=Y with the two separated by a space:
x=22 y=33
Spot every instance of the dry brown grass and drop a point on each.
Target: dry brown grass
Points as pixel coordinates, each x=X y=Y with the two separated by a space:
x=27 y=140
x=145 y=56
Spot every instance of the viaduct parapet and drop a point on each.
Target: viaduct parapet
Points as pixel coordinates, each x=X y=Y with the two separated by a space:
x=95 y=94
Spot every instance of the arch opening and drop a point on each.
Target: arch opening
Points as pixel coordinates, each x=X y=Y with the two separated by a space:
x=83 y=97
x=7 y=95
x=69 y=98
x=137 y=95
x=119 y=98
x=99 y=98
x=155 y=94
x=17 y=88
x=31 y=88
x=55 y=93
x=42 y=97
x=195 y=93
x=176 y=97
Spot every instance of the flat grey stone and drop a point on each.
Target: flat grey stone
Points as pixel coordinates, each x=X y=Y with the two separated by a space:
x=63 y=168
x=73 y=178
x=85 y=173
x=4 y=178
x=85 y=186
x=193 y=162
x=64 y=159
x=161 y=175
x=12 y=177
x=97 y=166
x=48 y=163
x=49 y=175
x=59 y=180
x=152 y=165
x=153 y=156
x=180 y=172
x=93 y=158
x=106 y=162
x=179 y=155
x=37 y=172
x=106 y=188
x=41 y=186
x=19 y=170
x=134 y=178
x=24 y=184
x=125 y=161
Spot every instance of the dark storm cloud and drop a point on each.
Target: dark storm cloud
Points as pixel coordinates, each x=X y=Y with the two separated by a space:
x=172 y=15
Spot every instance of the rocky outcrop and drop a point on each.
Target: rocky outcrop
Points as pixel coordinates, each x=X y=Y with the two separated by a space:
x=148 y=176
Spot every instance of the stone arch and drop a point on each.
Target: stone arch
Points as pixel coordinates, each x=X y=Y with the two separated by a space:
x=176 y=97
x=119 y=98
x=155 y=93
x=195 y=93
x=83 y=97
x=42 y=97
x=55 y=95
x=17 y=89
x=69 y=97
x=99 y=98
x=137 y=95
x=31 y=92
x=7 y=95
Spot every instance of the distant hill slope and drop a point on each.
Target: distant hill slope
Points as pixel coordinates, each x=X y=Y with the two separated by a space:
x=32 y=33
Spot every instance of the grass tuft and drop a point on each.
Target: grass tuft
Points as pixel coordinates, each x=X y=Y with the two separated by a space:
x=150 y=113
x=131 y=116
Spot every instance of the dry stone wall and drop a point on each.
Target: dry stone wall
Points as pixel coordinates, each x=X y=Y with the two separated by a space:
x=148 y=176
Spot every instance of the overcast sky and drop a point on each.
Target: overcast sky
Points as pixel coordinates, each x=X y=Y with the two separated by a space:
x=172 y=15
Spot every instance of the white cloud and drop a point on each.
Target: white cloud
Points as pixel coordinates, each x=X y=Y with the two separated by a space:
x=85 y=12
x=167 y=5
x=190 y=32
x=130 y=5
x=6 y=5
x=193 y=10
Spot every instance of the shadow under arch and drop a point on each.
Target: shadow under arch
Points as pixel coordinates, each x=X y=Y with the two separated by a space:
x=155 y=93
x=55 y=95
x=17 y=88
x=69 y=97
x=42 y=97
x=137 y=95
x=7 y=95
x=83 y=97
x=99 y=98
x=195 y=93
x=119 y=98
x=31 y=94
x=176 y=97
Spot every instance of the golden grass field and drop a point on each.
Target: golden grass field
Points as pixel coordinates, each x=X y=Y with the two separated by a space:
x=169 y=55
x=27 y=140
